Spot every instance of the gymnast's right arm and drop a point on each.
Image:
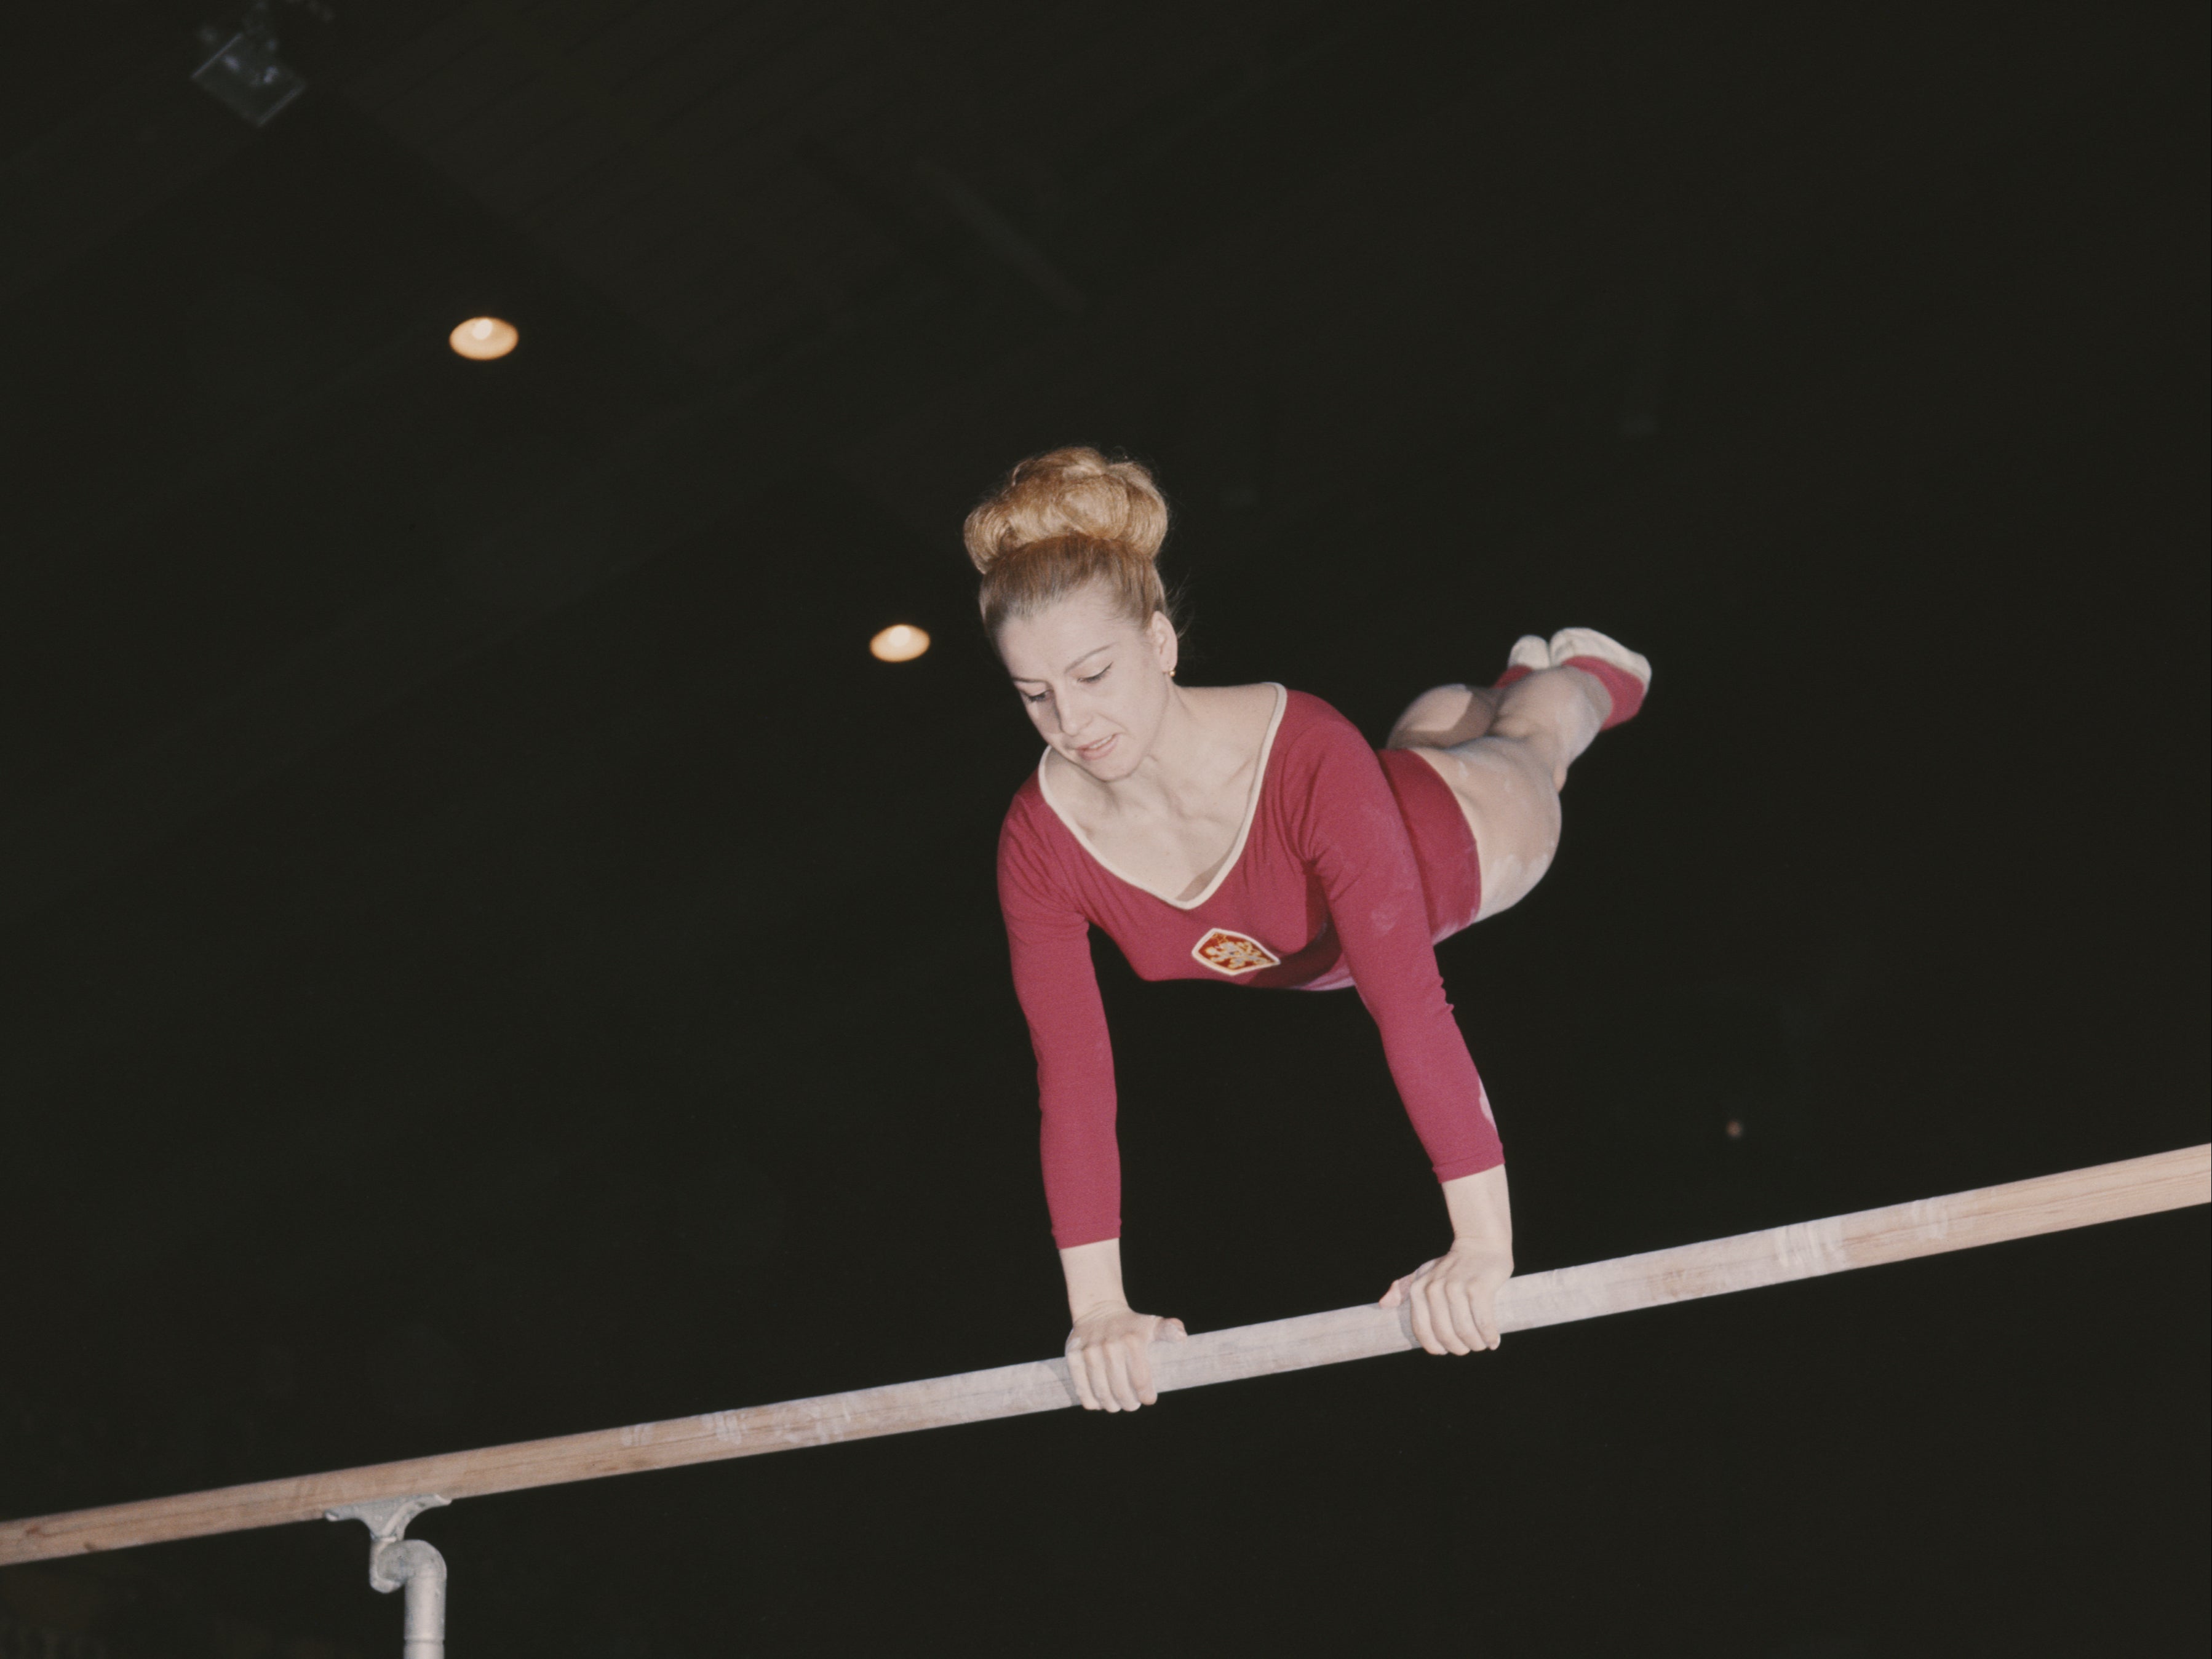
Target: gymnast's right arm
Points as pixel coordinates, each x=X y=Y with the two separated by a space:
x=1109 y=1344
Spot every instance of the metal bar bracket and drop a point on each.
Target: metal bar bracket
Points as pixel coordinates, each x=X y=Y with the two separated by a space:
x=395 y=1559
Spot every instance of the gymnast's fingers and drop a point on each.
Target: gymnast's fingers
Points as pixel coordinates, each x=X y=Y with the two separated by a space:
x=1101 y=1360
x=1483 y=1295
x=1141 y=1372
x=1461 y=1294
x=1437 y=1291
x=1079 y=1372
x=1122 y=1391
x=1417 y=1307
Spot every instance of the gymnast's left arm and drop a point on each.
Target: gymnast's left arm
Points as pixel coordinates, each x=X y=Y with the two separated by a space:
x=1356 y=842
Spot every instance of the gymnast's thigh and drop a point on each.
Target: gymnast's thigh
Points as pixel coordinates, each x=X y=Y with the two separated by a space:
x=1512 y=810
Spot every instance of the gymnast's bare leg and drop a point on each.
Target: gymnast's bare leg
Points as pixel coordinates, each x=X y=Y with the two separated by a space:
x=1505 y=751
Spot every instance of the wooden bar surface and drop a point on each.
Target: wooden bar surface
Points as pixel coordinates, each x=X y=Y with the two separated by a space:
x=1988 y=1215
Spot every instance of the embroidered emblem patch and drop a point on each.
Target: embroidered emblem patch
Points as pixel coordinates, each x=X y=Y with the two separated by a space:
x=1233 y=953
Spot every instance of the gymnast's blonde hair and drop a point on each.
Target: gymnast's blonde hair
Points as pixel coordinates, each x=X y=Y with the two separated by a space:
x=1065 y=521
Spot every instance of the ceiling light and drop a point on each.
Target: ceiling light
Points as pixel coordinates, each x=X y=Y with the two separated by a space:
x=900 y=642
x=484 y=338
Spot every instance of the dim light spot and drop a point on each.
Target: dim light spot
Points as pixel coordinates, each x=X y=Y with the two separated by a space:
x=1735 y=1128
x=900 y=642
x=482 y=338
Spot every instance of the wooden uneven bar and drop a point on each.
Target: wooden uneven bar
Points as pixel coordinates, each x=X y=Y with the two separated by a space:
x=1990 y=1215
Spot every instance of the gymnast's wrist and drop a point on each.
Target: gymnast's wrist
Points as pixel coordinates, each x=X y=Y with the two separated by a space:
x=1481 y=1209
x=1094 y=1279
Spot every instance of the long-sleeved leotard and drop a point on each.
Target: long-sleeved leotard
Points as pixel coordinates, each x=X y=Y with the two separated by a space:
x=1350 y=867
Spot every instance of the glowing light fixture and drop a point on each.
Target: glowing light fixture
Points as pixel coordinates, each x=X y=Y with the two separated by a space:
x=484 y=338
x=900 y=642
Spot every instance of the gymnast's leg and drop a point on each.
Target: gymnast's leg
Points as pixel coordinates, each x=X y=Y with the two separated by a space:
x=1505 y=749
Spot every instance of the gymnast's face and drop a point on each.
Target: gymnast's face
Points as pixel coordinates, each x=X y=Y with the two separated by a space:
x=1095 y=684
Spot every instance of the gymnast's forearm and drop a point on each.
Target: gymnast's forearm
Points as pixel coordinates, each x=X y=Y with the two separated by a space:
x=1482 y=1210
x=1094 y=1279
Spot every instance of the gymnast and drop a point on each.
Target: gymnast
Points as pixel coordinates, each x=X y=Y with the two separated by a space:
x=1247 y=833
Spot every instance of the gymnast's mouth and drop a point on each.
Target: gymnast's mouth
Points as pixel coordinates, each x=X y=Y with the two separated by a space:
x=1097 y=751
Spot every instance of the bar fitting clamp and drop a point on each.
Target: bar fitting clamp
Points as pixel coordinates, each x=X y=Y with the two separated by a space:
x=395 y=1559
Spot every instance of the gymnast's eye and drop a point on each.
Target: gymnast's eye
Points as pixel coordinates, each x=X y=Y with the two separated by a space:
x=1093 y=679
x=1035 y=696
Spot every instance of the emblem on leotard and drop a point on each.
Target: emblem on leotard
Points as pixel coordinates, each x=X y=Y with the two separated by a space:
x=1233 y=953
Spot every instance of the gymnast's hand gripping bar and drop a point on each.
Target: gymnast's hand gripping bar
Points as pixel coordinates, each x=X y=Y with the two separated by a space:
x=1987 y=1215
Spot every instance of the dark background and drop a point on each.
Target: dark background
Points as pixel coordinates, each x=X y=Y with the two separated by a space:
x=487 y=954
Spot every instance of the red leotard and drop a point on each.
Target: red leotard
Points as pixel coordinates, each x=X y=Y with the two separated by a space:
x=1352 y=866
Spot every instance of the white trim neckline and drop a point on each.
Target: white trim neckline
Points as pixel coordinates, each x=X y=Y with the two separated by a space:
x=1244 y=829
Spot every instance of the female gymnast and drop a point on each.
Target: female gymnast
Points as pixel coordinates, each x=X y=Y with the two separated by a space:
x=1247 y=833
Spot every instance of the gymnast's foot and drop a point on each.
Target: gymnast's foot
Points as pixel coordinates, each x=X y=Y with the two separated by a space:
x=1449 y=716
x=1625 y=674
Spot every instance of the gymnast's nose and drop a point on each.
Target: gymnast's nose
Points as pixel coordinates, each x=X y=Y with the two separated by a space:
x=1078 y=724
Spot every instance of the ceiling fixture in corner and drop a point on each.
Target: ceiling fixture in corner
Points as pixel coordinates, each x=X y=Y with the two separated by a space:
x=482 y=338
x=900 y=642
x=241 y=68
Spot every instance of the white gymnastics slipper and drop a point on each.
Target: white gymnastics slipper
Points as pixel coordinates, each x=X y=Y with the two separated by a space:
x=1570 y=643
x=1529 y=652
x=1624 y=675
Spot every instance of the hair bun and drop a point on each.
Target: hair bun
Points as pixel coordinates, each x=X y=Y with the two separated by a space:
x=1068 y=492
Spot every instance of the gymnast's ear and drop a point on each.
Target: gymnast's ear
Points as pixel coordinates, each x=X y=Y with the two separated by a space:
x=1166 y=646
